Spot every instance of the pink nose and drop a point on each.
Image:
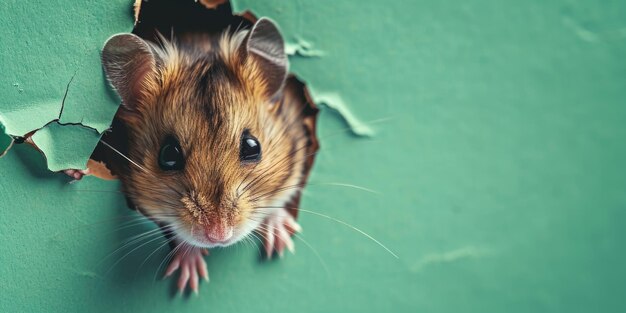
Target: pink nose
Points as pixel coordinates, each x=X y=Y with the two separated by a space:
x=218 y=234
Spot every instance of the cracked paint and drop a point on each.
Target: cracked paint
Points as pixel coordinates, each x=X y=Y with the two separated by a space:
x=60 y=79
x=66 y=146
x=87 y=101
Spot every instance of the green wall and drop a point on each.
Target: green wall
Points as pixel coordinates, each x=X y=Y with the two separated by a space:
x=497 y=160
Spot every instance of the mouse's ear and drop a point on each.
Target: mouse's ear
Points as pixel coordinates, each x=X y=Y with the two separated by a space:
x=265 y=44
x=128 y=62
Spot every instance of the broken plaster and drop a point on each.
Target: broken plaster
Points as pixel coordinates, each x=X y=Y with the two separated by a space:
x=63 y=144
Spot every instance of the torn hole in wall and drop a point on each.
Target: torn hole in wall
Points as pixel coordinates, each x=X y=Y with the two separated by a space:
x=222 y=16
x=154 y=18
x=331 y=100
x=209 y=16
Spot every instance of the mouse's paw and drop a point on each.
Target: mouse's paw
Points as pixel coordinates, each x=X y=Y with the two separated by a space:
x=76 y=174
x=276 y=231
x=192 y=266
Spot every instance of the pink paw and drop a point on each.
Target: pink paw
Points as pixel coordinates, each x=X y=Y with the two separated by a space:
x=276 y=231
x=76 y=174
x=191 y=263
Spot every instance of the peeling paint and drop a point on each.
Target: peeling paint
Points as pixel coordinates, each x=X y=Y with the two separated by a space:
x=36 y=84
x=506 y=112
x=45 y=137
x=20 y=121
x=332 y=100
x=335 y=103
x=468 y=252
x=66 y=145
x=302 y=48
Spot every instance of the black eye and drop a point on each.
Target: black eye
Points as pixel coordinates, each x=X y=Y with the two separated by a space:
x=250 y=150
x=171 y=155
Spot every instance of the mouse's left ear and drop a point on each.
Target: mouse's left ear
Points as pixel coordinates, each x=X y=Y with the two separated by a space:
x=265 y=44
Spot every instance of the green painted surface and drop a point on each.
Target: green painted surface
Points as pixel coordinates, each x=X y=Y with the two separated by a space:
x=49 y=59
x=63 y=144
x=499 y=172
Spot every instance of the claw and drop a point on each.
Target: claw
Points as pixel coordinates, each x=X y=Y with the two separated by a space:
x=183 y=278
x=203 y=271
x=292 y=225
x=286 y=239
x=193 y=283
x=76 y=174
x=269 y=240
x=172 y=267
x=277 y=229
x=192 y=266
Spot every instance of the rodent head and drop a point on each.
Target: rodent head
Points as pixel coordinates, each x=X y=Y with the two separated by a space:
x=213 y=139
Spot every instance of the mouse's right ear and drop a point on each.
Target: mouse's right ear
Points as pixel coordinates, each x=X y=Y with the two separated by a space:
x=266 y=46
x=129 y=64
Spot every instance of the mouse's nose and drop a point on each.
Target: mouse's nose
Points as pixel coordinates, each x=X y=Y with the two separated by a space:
x=218 y=233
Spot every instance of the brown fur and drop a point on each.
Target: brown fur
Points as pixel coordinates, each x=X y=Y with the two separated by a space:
x=206 y=93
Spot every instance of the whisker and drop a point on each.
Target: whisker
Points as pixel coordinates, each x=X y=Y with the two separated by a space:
x=108 y=220
x=264 y=228
x=135 y=249
x=167 y=241
x=168 y=257
x=349 y=186
x=352 y=227
x=258 y=249
x=259 y=231
x=139 y=166
x=125 y=157
x=284 y=128
x=261 y=176
x=100 y=191
x=130 y=241
x=300 y=237
x=338 y=221
x=143 y=221
x=302 y=185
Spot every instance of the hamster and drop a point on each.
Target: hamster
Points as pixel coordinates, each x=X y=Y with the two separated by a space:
x=214 y=149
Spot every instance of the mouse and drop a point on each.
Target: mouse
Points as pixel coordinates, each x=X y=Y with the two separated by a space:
x=215 y=149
